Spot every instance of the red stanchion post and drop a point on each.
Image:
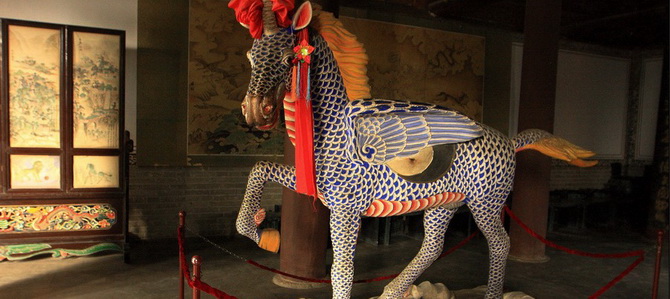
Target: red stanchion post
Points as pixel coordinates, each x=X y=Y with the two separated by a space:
x=657 y=268
x=182 y=222
x=196 y=274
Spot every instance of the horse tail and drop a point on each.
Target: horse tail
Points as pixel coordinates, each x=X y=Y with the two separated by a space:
x=554 y=147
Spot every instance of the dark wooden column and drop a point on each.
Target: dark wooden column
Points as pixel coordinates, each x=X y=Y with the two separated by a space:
x=659 y=197
x=530 y=199
x=304 y=234
x=304 y=223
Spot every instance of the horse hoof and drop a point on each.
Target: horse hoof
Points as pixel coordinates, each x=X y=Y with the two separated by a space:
x=269 y=240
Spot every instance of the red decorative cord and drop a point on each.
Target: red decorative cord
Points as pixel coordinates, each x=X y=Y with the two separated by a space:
x=568 y=250
x=251 y=262
x=256 y=264
x=618 y=277
x=459 y=245
x=638 y=253
x=220 y=294
x=196 y=283
x=380 y=278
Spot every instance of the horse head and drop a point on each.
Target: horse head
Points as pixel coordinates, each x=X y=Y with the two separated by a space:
x=270 y=56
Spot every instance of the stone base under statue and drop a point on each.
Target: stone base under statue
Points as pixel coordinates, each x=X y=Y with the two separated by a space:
x=291 y=283
x=428 y=290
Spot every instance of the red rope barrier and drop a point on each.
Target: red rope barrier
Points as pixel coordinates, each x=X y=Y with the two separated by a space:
x=568 y=250
x=459 y=245
x=273 y=270
x=196 y=283
x=202 y=285
x=639 y=253
x=618 y=277
x=380 y=278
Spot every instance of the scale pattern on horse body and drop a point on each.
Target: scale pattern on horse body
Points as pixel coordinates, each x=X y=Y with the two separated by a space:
x=352 y=178
x=349 y=185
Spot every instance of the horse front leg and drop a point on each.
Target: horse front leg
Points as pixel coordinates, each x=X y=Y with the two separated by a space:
x=490 y=224
x=435 y=223
x=344 y=226
x=251 y=213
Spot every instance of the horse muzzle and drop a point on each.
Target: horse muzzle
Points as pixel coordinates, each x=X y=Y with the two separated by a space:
x=261 y=111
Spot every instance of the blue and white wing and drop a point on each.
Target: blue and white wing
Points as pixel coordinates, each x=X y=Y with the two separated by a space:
x=386 y=129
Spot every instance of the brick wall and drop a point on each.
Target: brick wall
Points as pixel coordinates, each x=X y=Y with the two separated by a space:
x=568 y=177
x=211 y=197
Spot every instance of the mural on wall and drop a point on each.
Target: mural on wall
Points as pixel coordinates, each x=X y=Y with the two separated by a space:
x=433 y=66
x=218 y=79
x=96 y=69
x=35 y=172
x=34 y=87
x=95 y=172
x=427 y=65
x=31 y=219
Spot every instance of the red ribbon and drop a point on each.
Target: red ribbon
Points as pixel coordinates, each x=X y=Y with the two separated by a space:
x=250 y=13
x=305 y=173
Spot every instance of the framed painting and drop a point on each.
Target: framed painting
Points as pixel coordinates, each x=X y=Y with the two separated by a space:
x=95 y=172
x=96 y=100
x=62 y=164
x=34 y=79
x=35 y=172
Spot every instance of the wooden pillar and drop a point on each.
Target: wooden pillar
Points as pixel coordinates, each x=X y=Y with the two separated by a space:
x=659 y=196
x=304 y=223
x=530 y=200
x=304 y=234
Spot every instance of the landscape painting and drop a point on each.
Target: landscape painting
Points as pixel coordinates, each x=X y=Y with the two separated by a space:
x=96 y=101
x=34 y=86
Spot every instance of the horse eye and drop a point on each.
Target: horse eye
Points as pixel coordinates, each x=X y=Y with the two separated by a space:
x=287 y=57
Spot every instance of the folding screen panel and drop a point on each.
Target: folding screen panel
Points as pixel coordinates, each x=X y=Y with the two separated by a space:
x=63 y=150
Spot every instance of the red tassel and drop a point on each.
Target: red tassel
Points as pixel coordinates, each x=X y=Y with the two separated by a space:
x=304 y=122
x=304 y=149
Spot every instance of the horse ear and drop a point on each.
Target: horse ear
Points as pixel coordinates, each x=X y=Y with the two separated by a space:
x=302 y=17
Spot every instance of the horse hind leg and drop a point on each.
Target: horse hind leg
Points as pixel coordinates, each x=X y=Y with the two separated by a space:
x=344 y=227
x=489 y=221
x=251 y=213
x=435 y=222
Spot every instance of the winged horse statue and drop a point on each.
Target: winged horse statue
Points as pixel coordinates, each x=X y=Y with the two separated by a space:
x=366 y=157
